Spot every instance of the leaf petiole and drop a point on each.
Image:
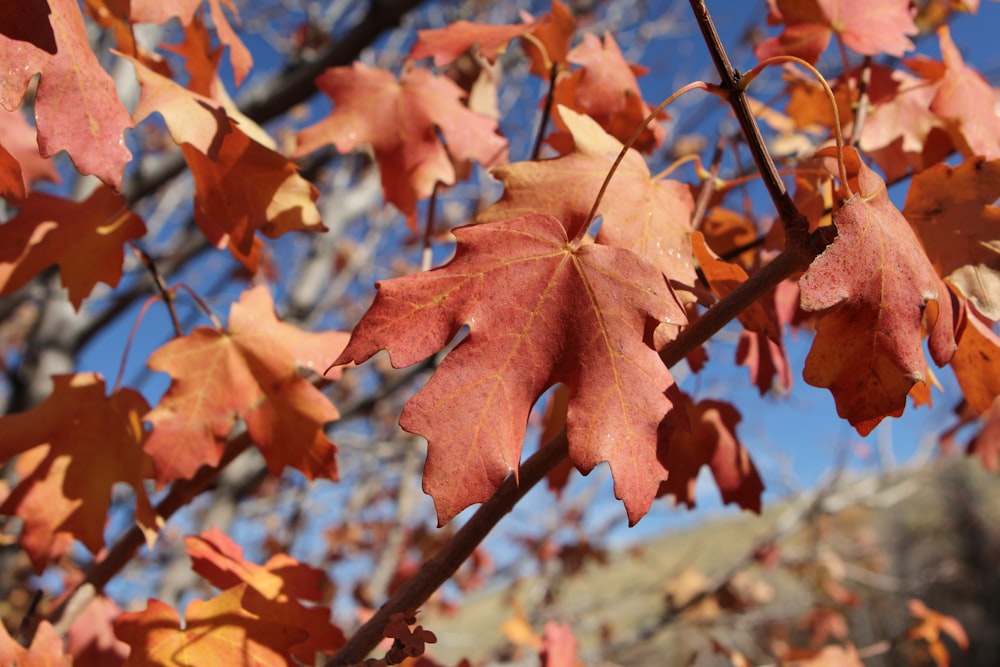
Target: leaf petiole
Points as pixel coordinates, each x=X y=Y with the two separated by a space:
x=748 y=78
x=694 y=85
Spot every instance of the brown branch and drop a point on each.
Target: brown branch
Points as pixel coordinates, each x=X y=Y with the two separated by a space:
x=801 y=249
x=789 y=213
x=437 y=570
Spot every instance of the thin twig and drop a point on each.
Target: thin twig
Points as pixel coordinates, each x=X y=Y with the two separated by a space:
x=543 y=125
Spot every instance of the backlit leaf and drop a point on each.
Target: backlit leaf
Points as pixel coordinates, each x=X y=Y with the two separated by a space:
x=250 y=372
x=77 y=444
x=540 y=310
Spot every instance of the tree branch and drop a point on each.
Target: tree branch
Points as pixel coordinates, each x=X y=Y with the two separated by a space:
x=434 y=572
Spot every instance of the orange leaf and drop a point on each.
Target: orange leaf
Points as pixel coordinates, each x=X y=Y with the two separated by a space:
x=930 y=624
x=241 y=185
x=76 y=105
x=541 y=310
x=723 y=277
x=951 y=210
x=977 y=363
x=606 y=89
x=46 y=649
x=220 y=561
x=221 y=631
x=84 y=238
x=249 y=188
x=650 y=217
x=400 y=120
x=711 y=441
x=78 y=443
x=251 y=372
x=873 y=285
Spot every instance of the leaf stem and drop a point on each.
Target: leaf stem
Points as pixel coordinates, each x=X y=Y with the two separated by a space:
x=790 y=216
x=694 y=85
x=838 y=133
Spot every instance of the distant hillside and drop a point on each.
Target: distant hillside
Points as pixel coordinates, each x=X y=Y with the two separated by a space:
x=866 y=548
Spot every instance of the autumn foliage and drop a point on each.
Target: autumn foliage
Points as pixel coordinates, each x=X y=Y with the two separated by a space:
x=562 y=306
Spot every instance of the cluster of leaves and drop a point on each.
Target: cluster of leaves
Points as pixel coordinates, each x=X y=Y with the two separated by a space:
x=545 y=302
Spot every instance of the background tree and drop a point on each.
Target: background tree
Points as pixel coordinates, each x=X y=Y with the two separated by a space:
x=576 y=321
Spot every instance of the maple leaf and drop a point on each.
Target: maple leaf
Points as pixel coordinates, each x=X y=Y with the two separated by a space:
x=868 y=27
x=977 y=363
x=723 y=277
x=711 y=441
x=76 y=106
x=18 y=140
x=250 y=372
x=161 y=11
x=966 y=97
x=873 y=284
x=986 y=444
x=256 y=620
x=401 y=120
x=241 y=184
x=649 y=216
x=606 y=89
x=75 y=445
x=448 y=43
x=220 y=561
x=46 y=649
x=951 y=210
x=84 y=238
x=540 y=310
x=218 y=631
x=553 y=31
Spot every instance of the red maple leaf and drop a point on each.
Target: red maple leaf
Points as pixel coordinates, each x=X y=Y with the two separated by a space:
x=74 y=446
x=401 y=119
x=76 y=106
x=968 y=98
x=553 y=31
x=161 y=11
x=84 y=238
x=250 y=372
x=874 y=286
x=606 y=89
x=647 y=215
x=868 y=27
x=18 y=140
x=711 y=441
x=540 y=309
